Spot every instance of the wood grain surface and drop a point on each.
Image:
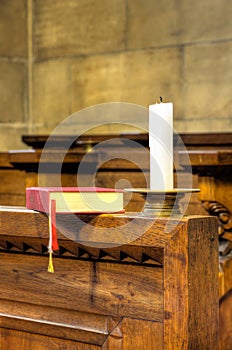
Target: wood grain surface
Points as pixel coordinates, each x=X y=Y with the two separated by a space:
x=157 y=291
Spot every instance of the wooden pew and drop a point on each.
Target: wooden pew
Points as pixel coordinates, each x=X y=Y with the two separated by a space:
x=19 y=169
x=211 y=160
x=59 y=167
x=210 y=156
x=12 y=182
x=214 y=171
x=158 y=290
x=109 y=173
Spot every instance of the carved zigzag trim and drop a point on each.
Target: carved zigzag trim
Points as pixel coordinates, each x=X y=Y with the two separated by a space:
x=127 y=254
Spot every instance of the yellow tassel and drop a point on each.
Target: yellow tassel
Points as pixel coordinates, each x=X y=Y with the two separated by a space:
x=50 y=264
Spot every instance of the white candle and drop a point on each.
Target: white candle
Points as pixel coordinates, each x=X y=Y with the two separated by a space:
x=161 y=146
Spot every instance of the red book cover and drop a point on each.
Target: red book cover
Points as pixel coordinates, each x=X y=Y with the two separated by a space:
x=75 y=199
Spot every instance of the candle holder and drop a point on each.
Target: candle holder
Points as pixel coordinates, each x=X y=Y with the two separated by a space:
x=160 y=202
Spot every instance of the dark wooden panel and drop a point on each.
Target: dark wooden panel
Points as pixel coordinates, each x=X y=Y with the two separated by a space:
x=16 y=340
x=56 y=322
x=133 y=331
x=112 y=289
x=189 y=139
x=225 y=325
x=150 y=306
x=194 y=292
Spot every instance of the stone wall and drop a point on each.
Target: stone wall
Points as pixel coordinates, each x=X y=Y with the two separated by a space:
x=58 y=57
x=14 y=116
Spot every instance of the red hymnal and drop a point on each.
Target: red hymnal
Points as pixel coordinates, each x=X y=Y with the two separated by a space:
x=85 y=200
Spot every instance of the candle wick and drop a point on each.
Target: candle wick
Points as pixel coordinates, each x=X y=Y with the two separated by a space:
x=161 y=99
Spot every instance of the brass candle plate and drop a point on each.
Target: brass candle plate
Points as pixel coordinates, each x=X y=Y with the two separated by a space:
x=161 y=202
